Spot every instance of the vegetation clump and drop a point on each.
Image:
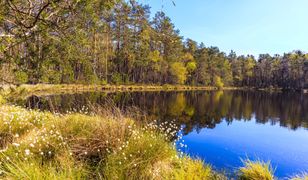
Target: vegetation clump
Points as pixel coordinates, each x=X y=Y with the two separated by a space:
x=256 y=170
x=41 y=145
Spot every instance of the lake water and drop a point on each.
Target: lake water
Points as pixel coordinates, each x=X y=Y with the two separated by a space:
x=221 y=127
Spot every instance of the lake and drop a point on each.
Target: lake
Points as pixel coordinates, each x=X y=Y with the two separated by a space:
x=220 y=127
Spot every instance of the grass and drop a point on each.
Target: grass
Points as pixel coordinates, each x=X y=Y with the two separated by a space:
x=303 y=176
x=256 y=170
x=41 y=145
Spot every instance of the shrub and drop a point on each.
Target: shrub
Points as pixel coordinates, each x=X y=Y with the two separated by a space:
x=178 y=72
x=21 y=77
x=116 y=79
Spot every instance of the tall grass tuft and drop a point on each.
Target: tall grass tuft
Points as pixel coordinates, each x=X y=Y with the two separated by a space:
x=256 y=170
x=62 y=167
x=137 y=155
x=303 y=176
x=186 y=168
x=41 y=145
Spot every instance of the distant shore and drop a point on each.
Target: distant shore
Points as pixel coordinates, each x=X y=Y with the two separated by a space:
x=26 y=90
x=43 y=89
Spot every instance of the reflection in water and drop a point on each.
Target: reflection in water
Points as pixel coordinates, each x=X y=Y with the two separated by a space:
x=195 y=110
x=219 y=126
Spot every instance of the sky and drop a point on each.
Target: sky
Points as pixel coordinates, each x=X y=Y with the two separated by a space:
x=245 y=26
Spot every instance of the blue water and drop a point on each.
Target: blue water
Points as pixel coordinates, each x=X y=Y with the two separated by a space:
x=226 y=144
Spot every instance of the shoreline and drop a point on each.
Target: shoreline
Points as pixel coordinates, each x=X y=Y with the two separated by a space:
x=26 y=90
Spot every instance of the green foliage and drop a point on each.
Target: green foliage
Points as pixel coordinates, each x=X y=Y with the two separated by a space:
x=191 y=66
x=256 y=170
x=116 y=78
x=21 y=77
x=51 y=77
x=178 y=72
x=155 y=56
x=118 y=41
x=188 y=57
x=218 y=82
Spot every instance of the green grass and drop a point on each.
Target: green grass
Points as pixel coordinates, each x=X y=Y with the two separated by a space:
x=41 y=145
x=256 y=170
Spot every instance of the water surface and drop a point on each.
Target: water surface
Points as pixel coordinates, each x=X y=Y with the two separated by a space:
x=221 y=127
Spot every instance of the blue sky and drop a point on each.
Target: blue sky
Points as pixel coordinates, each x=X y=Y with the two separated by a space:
x=246 y=26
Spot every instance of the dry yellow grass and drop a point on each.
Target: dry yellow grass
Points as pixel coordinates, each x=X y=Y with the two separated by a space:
x=256 y=170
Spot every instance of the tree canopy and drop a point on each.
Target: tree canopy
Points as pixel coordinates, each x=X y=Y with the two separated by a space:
x=116 y=41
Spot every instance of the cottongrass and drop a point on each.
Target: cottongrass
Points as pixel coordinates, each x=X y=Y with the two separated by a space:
x=41 y=145
x=136 y=157
x=256 y=170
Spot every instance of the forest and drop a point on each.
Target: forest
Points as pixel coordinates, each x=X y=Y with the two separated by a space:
x=119 y=42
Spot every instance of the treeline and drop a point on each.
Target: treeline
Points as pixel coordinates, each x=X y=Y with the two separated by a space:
x=108 y=41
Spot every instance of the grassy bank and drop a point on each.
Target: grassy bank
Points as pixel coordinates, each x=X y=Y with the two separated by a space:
x=42 y=145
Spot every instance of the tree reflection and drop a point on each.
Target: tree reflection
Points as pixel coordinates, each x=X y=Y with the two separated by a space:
x=195 y=110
